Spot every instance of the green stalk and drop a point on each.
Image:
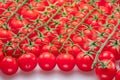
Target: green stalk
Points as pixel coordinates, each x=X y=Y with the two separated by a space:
x=76 y=29
x=25 y=1
x=36 y=28
x=103 y=45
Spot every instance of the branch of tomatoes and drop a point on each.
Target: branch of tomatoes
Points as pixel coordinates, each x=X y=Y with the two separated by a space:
x=74 y=29
x=24 y=2
x=104 y=44
x=69 y=27
x=36 y=28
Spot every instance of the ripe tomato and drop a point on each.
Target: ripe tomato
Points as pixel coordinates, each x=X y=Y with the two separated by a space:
x=84 y=61
x=32 y=49
x=9 y=50
x=16 y=24
x=4 y=6
x=1 y=57
x=47 y=61
x=27 y=62
x=30 y=14
x=107 y=55
x=5 y=35
x=117 y=77
x=9 y=66
x=74 y=50
x=1 y=44
x=114 y=50
x=79 y=39
x=65 y=62
x=50 y=48
x=106 y=70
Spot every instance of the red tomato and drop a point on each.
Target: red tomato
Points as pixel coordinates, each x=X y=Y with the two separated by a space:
x=114 y=50
x=107 y=55
x=27 y=62
x=9 y=50
x=74 y=50
x=47 y=61
x=16 y=24
x=4 y=6
x=30 y=14
x=1 y=57
x=5 y=35
x=79 y=39
x=50 y=48
x=32 y=49
x=9 y=66
x=85 y=61
x=65 y=62
x=106 y=70
x=117 y=77
x=1 y=44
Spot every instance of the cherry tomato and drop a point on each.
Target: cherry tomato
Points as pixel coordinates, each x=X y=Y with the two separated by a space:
x=1 y=57
x=30 y=14
x=74 y=50
x=117 y=77
x=85 y=61
x=106 y=70
x=32 y=49
x=65 y=62
x=107 y=55
x=9 y=65
x=27 y=62
x=47 y=61
x=5 y=35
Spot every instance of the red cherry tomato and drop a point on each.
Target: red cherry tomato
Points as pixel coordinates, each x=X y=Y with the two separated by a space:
x=9 y=66
x=47 y=61
x=65 y=62
x=85 y=61
x=27 y=62
x=107 y=55
x=117 y=77
x=106 y=70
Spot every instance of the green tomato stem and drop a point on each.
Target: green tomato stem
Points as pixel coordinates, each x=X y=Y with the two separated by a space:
x=103 y=45
x=82 y=21
x=36 y=28
x=25 y=1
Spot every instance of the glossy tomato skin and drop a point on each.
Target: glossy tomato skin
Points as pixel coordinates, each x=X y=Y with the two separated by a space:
x=9 y=65
x=107 y=55
x=117 y=76
x=1 y=44
x=106 y=73
x=34 y=50
x=16 y=24
x=65 y=62
x=5 y=35
x=84 y=61
x=114 y=50
x=74 y=50
x=47 y=61
x=27 y=62
x=1 y=57
x=48 y=48
x=30 y=14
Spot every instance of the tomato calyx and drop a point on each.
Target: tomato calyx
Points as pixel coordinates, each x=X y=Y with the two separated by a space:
x=103 y=64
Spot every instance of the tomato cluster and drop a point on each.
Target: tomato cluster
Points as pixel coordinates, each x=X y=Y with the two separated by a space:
x=65 y=33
